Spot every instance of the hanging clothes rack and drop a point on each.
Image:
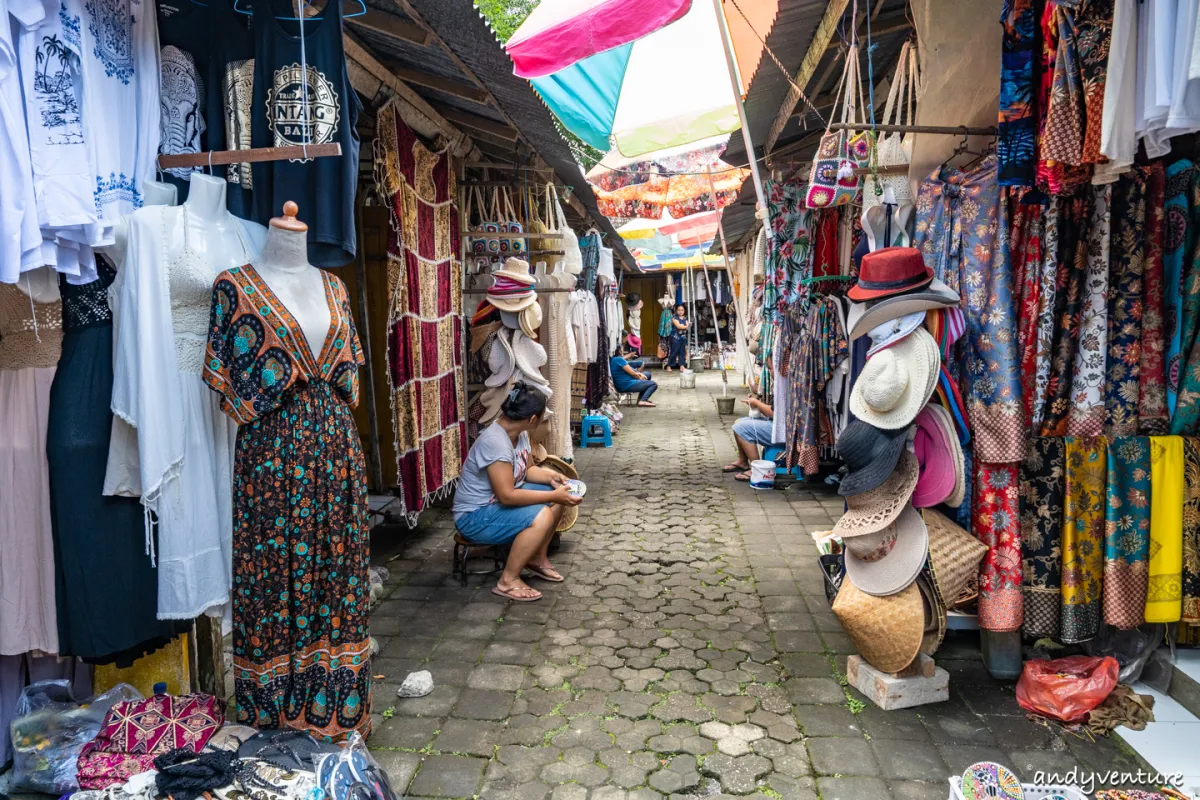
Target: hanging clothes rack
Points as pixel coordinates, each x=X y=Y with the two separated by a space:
x=944 y=130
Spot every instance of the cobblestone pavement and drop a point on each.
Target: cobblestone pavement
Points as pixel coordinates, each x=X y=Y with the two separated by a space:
x=690 y=653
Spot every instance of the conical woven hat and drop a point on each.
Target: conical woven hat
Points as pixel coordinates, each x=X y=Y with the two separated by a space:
x=873 y=511
x=570 y=513
x=886 y=631
x=935 y=617
x=954 y=556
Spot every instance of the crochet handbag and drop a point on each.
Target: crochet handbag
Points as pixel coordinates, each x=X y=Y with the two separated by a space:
x=136 y=731
x=895 y=149
x=832 y=181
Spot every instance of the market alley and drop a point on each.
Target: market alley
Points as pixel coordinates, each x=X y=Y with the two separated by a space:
x=691 y=652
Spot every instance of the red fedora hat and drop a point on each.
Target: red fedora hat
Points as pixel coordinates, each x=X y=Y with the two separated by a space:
x=890 y=271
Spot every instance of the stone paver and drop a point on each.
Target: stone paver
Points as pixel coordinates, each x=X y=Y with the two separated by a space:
x=689 y=654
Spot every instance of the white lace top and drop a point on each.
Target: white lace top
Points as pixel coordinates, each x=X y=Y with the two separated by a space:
x=189 y=285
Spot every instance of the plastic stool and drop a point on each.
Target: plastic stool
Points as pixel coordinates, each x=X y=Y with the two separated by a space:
x=464 y=551
x=587 y=434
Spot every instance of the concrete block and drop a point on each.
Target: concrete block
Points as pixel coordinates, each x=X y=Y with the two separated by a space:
x=920 y=684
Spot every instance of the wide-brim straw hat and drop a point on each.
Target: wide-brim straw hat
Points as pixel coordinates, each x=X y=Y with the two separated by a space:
x=954 y=556
x=517 y=269
x=513 y=302
x=874 y=510
x=870 y=455
x=570 y=513
x=491 y=400
x=865 y=316
x=887 y=631
x=946 y=422
x=897 y=382
x=501 y=361
x=884 y=562
x=934 y=613
x=531 y=319
x=480 y=334
x=531 y=357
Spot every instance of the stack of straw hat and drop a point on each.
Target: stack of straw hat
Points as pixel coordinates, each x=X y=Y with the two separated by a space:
x=512 y=353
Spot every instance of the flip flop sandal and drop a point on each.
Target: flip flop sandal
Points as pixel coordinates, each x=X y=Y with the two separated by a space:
x=744 y=477
x=496 y=590
x=543 y=575
x=734 y=468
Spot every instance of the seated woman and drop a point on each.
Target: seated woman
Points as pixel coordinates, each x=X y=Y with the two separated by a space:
x=502 y=500
x=627 y=379
x=749 y=433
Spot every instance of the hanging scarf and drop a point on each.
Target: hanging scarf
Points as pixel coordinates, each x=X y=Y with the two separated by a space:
x=1060 y=138
x=1164 y=596
x=996 y=523
x=1121 y=386
x=1068 y=309
x=825 y=231
x=1187 y=408
x=1018 y=124
x=1191 y=531
x=1127 y=531
x=1152 y=404
x=1028 y=231
x=1042 y=495
x=1083 y=538
x=1087 y=385
x=1047 y=294
x=1093 y=37
x=1176 y=245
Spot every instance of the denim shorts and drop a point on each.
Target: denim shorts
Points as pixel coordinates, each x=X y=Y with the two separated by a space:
x=497 y=523
x=755 y=431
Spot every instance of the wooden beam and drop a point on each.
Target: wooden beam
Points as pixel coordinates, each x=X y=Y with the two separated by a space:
x=816 y=49
x=391 y=26
x=370 y=77
x=475 y=122
x=444 y=85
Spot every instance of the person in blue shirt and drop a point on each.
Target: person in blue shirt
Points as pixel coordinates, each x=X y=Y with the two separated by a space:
x=627 y=379
x=679 y=332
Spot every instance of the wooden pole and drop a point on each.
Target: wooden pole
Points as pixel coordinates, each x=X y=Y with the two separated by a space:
x=360 y=273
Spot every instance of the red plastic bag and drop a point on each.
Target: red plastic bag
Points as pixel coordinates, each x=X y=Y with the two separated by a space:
x=1067 y=689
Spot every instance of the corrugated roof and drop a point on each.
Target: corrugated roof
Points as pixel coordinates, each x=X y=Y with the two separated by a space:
x=467 y=35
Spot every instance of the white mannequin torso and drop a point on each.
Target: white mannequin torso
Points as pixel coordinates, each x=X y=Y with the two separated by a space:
x=219 y=238
x=283 y=264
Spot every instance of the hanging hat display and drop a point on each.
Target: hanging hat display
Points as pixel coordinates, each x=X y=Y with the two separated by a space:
x=865 y=316
x=954 y=556
x=874 y=510
x=888 y=333
x=887 y=631
x=935 y=457
x=890 y=271
x=501 y=361
x=870 y=454
x=897 y=382
x=512 y=286
x=886 y=561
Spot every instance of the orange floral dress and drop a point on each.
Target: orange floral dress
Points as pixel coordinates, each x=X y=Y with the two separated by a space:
x=300 y=544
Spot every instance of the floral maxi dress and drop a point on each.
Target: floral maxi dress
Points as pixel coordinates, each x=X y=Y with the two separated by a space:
x=300 y=539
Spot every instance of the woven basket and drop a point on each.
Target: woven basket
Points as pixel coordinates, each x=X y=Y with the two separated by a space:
x=833 y=569
x=570 y=513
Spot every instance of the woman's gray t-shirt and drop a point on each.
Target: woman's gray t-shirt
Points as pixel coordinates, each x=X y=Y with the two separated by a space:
x=474 y=489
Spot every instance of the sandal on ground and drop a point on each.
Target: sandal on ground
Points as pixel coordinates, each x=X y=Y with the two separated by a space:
x=646 y=404
x=546 y=573
x=735 y=467
x=744 y=477
x=511 y=594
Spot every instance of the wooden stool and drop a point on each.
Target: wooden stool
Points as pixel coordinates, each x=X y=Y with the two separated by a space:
x=462 y=553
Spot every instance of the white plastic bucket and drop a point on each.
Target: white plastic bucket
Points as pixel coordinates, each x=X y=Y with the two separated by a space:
x=762 y=474
x=687 y=379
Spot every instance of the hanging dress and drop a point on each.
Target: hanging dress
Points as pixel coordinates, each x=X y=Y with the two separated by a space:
x=183 y=460
x=30 y=343
x=106 y=588
x=301 y=592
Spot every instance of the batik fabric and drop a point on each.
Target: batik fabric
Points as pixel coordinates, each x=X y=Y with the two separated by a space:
x=1062 y=105
x=1083 y=537
x=790 y=244
x=301 y=547
x=1071 y=278
x=1017 y=132
x=1191 y=531
x=1164 y=594
x=425 y=335
x=996 y=522
x=1122 y=386
x=1028 y=234
x=1042 y=496
x=1152 y=402
x=1093 y=36
x=1086 y=417
x=1177 y=245
x=1186 y=416
x=1047 y=296
x=1127 y=531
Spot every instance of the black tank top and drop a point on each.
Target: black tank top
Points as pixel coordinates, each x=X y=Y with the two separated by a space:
x=207 y=74
x=323 y=187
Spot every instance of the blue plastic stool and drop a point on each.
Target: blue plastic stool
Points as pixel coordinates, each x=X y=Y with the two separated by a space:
x=587 y=433
x=772 y=452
